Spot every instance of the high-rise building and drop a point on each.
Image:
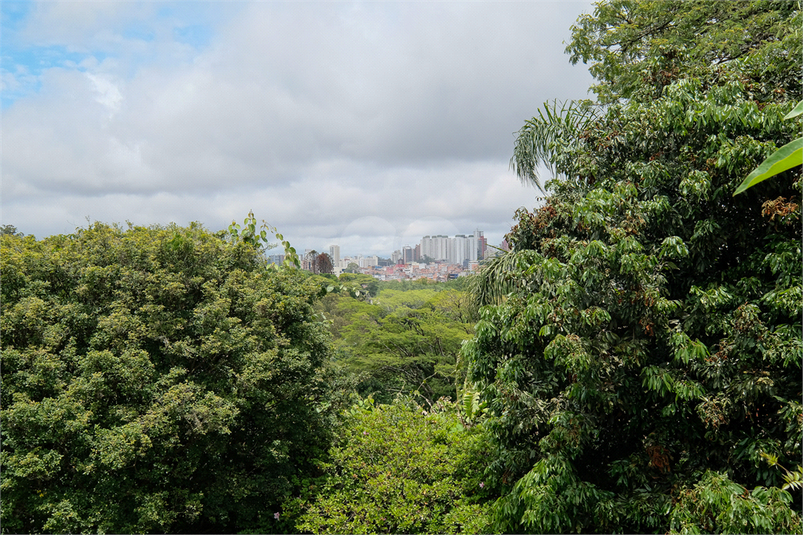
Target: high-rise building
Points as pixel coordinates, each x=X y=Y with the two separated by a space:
x=483 y=245
x=407 y=254
x=426 y=247
x=458 y=250
x=334 y=253
x=440 y=247
x=479 y=245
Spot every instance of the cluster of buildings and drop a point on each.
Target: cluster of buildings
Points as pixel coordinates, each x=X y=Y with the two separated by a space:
x=436 y=257
x=460 y=249
x=340 y=264
x=438 y=272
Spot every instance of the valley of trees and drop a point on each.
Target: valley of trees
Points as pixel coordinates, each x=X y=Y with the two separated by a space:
x=632 y=365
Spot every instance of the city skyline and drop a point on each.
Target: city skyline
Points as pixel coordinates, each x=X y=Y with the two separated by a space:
x=456 y=249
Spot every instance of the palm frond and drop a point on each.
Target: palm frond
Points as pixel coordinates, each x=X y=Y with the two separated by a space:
x=499 y=277
x=542 y=138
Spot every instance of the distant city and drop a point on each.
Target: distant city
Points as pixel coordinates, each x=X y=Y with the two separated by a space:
x=436 y=257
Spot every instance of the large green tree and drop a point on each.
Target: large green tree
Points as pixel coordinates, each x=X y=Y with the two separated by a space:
x=154 y=380
x=641 y=346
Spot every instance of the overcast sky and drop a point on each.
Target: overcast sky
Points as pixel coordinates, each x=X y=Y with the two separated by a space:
x=367 y=124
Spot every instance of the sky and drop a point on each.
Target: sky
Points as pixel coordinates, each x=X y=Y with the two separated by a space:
x=363 y=124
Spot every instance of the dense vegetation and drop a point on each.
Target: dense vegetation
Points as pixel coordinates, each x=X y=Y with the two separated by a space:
x=154 y=379
x=403 y=340
x=632 y=365
x=401 y=469
x=641 y=348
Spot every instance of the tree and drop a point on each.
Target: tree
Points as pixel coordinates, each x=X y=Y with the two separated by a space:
x=11 y=230
x=154 y=379
x=636 y=49
x=542 y=139
x=318 y=263
x=323 y=263
x=366 y=282
x=311 y=261
x=400 y=468
x=640 y=348
x=352 y=268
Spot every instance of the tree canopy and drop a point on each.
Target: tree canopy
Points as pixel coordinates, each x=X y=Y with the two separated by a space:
x=398 y=468
x=403 y=341
x=640 y=348
x=154 y=380
x=637 y=48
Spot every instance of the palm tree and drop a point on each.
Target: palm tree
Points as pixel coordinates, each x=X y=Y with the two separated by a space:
x=499 y=276
x=544 y=140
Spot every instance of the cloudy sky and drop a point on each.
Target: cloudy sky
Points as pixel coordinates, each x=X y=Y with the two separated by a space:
x=367 y=124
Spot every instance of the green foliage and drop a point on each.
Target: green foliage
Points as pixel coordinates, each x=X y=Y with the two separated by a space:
x=637 y=48
x=258 y=238
x=154 y=380
x=10 y=229
x=640 y=348
x=718 y=505
x=367 y=282
x=401 y=341
x=419 y=284
x=792 y=480
x=400 y=468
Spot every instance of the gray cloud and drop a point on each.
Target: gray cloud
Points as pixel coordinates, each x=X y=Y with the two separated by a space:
x=315 y=115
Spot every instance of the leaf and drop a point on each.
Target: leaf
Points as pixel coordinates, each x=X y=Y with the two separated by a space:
x=793 y=480
x=795 y=112
x=788 y=156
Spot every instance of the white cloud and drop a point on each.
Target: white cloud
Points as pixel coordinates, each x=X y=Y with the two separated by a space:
x=106 y=92
x=315 y=115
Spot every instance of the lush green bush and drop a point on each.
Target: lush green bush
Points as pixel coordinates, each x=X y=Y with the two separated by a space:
x=401 y=468
x=641 y=347
x=154 y=379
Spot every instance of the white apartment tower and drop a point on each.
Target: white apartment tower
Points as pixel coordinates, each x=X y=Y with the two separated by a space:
x=455 y=250
x=334 y=253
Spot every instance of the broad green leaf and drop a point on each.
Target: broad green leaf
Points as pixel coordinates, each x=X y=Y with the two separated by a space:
x=787 y=157
x=796 y=111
